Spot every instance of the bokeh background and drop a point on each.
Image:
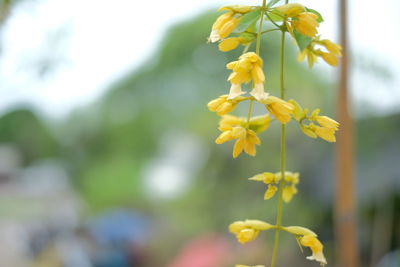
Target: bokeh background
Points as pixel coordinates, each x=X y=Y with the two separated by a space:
x=107 y=153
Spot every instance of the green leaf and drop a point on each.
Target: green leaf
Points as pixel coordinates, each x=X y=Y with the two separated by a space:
x=320 y=18
x=275 y=15
x=247 y=21
x=272 y=2
x=302 y=40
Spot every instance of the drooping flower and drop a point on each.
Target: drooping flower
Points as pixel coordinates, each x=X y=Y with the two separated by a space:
x=316 y=247
x=281 y=109
x=244 y=131
x=233 y=42
x=248 y=230
x=222 y=105
x=269 y=178
x=304 y=22
x=247 y=68
x=330 y=53
x=227 y=22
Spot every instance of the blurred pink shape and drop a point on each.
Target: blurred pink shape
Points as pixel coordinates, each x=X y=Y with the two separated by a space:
x=205 y=251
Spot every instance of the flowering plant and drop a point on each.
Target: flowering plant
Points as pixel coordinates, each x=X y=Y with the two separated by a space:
x=244 y=25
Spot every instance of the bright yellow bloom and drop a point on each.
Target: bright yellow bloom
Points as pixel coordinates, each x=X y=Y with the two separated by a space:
x=316 y=247
x=258 y=124
x=247 y=68
x=281 y=109
x=248 y=230
x=327 y=122
x=306 y=23
x=222 y=105
x=223 y=26
x=328 y=134
x=246 y=140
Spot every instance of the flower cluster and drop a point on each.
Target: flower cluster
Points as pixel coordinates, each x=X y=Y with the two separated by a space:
x=272 y=180
x=238 y=26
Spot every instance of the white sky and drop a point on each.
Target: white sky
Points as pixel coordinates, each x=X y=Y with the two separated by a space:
x=104 y=39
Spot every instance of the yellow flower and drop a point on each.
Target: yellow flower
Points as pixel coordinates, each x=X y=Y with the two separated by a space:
x=224 y=25
x=327 y=122
x=247 y=68
x=246 y=140
x=229 y=44
x=248 y=230
x=328 y=134
x=227 y=122
x=330 y=55
x=316 y=247
x=306 y=23
x=291 y=180
x=279 y=108
x=222 y=105
x=238 y=8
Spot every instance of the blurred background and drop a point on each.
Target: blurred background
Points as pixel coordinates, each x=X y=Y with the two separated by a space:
x=107 y=153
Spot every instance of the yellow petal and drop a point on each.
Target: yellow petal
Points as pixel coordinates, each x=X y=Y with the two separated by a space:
x=327 y=122
x=238 y=147
x=298 y=230
x=225 y=108
x=270 y=191
x=328 y=134
x=291 y=10
x=229 y=44
x=316 y=247
x=224 y=137
x=249 y=146
x=258 y=225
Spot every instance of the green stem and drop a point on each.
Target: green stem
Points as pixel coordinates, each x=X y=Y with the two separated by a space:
x=258 y=43
x=271 y=30
x=249 y=113
x=282 y=160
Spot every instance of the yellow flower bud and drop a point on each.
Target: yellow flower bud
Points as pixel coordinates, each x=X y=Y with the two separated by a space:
x=279 y=108
x=237 y=8
x=227 y=122
x=328 y=134
x=291 y=10
x=307 y=130
x=306 y=23
x=248 y=230
x=229 y=44
x=327 y=122
x=298 y=230
x=228 y=27
x=329 y=58
x=259 y=123
x=224 y=137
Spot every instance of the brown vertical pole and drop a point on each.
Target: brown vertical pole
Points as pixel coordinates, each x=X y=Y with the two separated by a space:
x=345 y=218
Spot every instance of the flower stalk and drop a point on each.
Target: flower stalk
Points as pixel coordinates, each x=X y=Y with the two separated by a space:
x=301 y=24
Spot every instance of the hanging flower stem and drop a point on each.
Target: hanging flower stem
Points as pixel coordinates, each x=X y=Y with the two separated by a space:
x=282 y=160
